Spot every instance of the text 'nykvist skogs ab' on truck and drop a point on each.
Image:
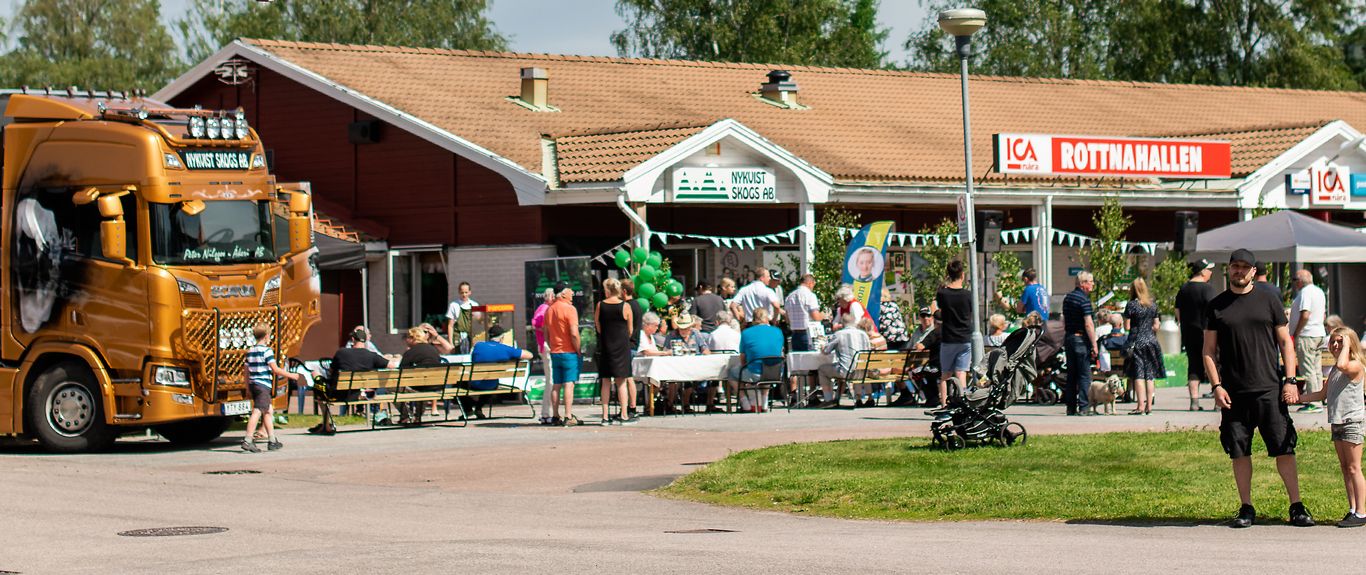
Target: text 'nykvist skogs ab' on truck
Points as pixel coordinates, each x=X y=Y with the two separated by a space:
x=141 y=244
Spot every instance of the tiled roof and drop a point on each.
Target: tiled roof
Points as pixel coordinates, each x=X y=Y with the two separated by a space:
x=862 y=125
x=607 y=155
x=1256 y=147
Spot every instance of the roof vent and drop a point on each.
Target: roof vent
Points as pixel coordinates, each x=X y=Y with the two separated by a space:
x=780 y=89
x=535 y=85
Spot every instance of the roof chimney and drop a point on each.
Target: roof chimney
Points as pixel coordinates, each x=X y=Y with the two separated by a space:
x=535 y=85
x=780 y=88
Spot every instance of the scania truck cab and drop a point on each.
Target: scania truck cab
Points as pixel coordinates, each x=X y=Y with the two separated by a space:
x=141 y=244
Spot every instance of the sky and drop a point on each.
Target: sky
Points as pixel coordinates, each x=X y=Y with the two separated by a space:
x=583 y=26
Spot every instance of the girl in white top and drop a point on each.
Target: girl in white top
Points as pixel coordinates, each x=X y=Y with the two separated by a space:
x=1346 y=416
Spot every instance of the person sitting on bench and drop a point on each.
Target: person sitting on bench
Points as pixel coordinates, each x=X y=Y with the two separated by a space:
x=354 y=356
x=495 y=350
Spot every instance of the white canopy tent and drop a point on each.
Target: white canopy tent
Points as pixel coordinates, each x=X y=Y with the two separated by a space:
x=1285 y=236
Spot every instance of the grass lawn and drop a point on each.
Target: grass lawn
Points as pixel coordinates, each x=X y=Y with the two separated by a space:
x=1181 y=477
x=304 y=421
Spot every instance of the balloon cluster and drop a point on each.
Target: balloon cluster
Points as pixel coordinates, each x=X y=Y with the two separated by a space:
x=652 y=286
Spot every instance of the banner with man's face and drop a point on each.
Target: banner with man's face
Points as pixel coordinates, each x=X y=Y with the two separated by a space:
x=864 y=263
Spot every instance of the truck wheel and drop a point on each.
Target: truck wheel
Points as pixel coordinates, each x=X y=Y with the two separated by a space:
x=66 y=411
x=194 y=431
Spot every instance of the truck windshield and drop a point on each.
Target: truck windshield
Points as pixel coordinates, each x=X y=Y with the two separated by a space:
x=226 y=232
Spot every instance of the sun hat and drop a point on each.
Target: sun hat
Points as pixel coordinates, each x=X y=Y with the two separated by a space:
x=683 y=321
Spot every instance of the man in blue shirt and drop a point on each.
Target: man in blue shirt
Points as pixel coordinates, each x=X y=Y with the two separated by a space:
x=1079 y=343
x=1034 y=298
x=759 y=340
x=495 y=350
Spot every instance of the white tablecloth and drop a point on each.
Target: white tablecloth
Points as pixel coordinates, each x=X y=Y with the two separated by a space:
x=805 y=361
x=684 y=367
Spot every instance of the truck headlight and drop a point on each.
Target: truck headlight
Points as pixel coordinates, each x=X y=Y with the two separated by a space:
x=240 y=125
x=187 y=287
x=196 y=127
x=172 y=376
x=258 y=161
x=211 y=128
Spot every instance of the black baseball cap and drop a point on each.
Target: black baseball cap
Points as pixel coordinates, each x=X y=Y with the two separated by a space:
x=1200 y=265
x=496 y=332
x=925 y=312
x=1243 y=255
x=560 y=286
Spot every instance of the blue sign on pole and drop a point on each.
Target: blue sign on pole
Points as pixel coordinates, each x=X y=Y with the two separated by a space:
x=1358 y=185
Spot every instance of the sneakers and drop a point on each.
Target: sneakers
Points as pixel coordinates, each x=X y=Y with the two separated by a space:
x=1246 y=516
x=1309 y=408
x=547 y=421
x=630 y=420
x=274 y=445
x=250 y=447
x=1352 y=520
x=606 y=421
x=1299 y=516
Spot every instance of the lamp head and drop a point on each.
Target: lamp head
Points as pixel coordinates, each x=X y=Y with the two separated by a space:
x=962 y=22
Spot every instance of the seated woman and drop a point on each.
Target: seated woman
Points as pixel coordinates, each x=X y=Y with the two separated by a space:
x=420 y=353
x=996 y=336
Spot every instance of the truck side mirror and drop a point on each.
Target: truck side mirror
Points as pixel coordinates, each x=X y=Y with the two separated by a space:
x=300 y=234
x=114 y=239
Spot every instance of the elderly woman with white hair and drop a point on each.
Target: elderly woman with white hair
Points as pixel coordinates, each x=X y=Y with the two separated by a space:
x=542 y=348
x=726 y=336
x=847 y=304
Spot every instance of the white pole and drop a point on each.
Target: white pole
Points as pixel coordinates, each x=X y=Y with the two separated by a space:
x=964 y=45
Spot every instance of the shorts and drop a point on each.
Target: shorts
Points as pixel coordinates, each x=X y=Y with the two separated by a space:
x=564 y=368
x=734 y=374
x=1350 y=431
x=260 y=397
x=955 y=356
x=1195 y=357
x=801 y=340
x=1264 y=412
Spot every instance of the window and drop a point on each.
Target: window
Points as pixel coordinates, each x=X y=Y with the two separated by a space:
x=417 y=288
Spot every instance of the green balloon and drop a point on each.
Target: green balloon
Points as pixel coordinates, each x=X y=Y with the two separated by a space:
x=674 y=289
x=623 y=258
x=661 y=301
x=654 y=260
x=646 y=275
x=645 y=291
x=639 y=255
x=639 y=281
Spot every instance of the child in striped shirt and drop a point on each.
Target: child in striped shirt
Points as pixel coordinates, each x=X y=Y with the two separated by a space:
x=261 y=373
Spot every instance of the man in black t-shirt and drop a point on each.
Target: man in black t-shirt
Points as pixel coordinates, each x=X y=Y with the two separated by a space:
x=954 y=304
x=1079 y=344
x=1190 y=313
x=1245 y=330
x=353 y=357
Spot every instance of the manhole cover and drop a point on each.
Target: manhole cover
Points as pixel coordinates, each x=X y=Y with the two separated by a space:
x=172 y=531
x=232 y=472
x=707 y=530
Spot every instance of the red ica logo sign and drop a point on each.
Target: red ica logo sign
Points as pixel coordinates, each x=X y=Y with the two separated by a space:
x=1020 y=154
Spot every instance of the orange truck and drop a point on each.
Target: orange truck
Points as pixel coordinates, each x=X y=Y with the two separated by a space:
x=141 y=244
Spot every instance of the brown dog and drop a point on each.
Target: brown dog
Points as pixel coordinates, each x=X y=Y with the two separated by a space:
x=1106 y=392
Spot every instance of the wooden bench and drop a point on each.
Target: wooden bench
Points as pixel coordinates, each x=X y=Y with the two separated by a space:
x=436 y=384
x=884 y=368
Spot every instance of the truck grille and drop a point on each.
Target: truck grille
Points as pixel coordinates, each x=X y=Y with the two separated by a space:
x=217 y=341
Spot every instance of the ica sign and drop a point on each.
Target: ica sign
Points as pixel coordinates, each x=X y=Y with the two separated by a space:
x=1328 y=184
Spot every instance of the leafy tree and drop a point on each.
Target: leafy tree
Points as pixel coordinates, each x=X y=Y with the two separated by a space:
x=102 y=44
x=1008 y=281
x=814 y=32
x=828 y=262
x=1168 y=277
x=1106 y=258
x=1279 y=43
x=937 y=255
x=461 y=24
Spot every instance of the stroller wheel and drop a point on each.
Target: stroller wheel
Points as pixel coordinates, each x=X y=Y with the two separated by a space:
x=1013 y=434
x=954 y=442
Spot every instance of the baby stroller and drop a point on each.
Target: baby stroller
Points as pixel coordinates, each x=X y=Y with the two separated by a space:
x=978 y=415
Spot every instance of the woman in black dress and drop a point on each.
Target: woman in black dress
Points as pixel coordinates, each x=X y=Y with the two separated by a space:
x=1145 y=355
x=613 y=320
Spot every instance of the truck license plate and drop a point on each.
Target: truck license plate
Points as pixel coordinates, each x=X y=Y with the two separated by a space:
x=237 y=408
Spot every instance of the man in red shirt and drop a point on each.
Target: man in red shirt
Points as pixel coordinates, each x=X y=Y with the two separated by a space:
x=562 y=337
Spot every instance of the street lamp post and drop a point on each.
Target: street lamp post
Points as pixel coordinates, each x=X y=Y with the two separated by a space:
x=961 y=23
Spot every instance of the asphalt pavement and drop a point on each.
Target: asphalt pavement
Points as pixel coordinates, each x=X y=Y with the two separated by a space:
x=509 y=496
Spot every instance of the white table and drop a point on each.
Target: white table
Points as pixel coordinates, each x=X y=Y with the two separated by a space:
x=807 y=361
x=684 y=367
